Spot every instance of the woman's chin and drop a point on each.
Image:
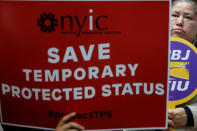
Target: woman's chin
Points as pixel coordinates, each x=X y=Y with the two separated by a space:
x=178 y=35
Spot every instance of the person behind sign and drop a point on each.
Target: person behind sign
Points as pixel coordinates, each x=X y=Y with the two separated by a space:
x=183 y=25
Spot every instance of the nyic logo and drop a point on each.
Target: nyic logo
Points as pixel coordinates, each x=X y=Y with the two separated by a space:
x=72 y=24
x=47 y=22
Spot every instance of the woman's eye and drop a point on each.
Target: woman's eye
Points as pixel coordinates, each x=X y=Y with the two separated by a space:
x=175 y=15
x=188 y=17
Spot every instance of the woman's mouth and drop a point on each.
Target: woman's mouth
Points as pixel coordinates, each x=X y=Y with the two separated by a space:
x=178 y=30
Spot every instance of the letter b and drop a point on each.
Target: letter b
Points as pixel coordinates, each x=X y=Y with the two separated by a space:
x=176 y=54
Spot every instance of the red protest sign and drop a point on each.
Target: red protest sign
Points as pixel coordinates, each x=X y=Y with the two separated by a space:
x=105 y=60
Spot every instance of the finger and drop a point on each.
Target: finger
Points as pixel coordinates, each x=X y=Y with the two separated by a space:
x=66 y=118
x=171 y=124
x=170 y=116
x=170 y=111
x=73 y=125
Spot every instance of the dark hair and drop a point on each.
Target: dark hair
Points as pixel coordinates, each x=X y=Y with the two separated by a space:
x=194 y=2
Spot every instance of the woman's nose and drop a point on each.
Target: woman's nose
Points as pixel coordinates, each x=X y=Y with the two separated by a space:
x=180 y=21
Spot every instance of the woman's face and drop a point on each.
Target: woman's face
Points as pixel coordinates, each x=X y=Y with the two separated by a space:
x=184 y=21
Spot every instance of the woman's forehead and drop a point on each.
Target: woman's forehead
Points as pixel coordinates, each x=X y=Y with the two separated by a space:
x=185 y=7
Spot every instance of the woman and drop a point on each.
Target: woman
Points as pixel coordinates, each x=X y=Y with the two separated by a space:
x=183 y=25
